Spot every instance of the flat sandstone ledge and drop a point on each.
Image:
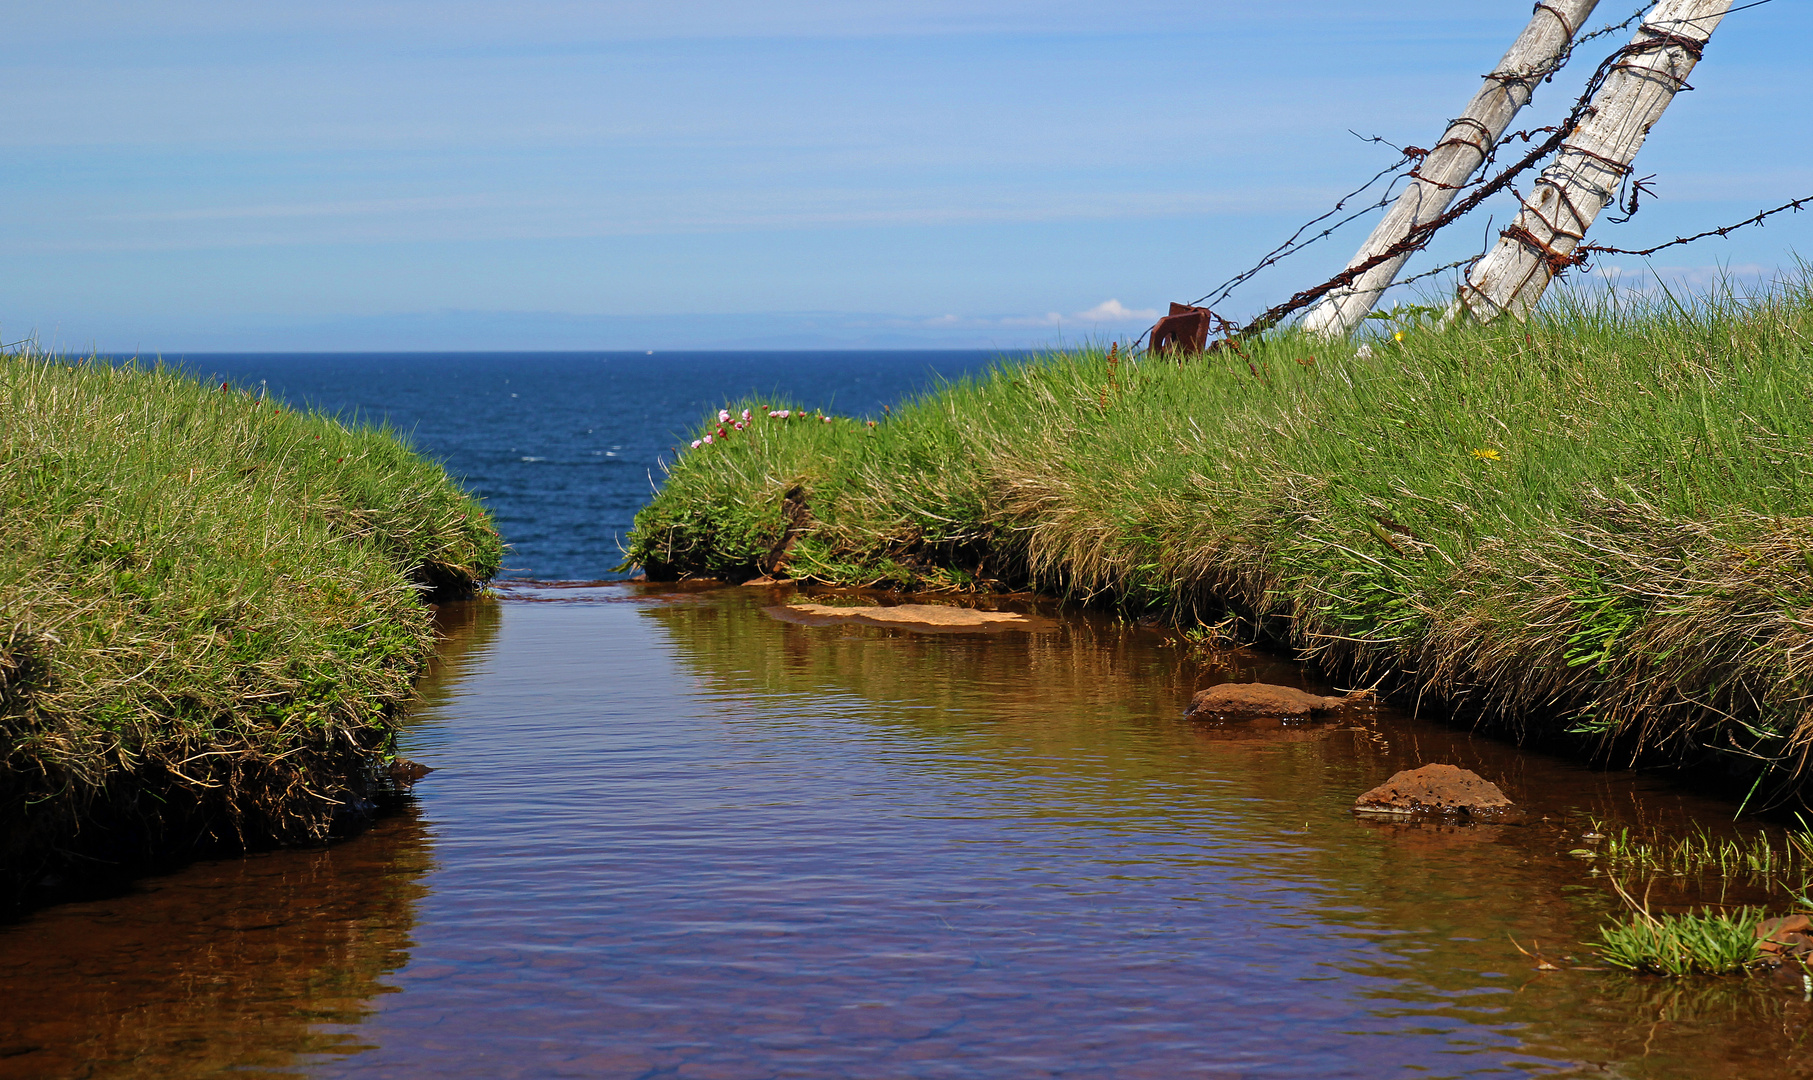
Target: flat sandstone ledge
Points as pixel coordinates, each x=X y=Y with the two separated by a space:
x=920 y=618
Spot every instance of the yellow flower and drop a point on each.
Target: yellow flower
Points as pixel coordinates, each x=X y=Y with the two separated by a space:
x=1399 y=336
x=1485 y=453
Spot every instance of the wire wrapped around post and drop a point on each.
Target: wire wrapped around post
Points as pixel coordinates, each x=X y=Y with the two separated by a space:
x=1592 y=164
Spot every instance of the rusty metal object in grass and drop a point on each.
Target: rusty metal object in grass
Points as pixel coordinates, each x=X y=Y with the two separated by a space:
x=797 y=520
x=1184 y=332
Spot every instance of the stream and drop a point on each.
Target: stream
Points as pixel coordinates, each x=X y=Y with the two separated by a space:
x=671 y=835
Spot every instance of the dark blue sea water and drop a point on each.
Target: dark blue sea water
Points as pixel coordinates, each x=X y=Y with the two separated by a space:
x=566 y=447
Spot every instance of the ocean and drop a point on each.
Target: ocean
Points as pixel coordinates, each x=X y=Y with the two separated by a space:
x=565 y=447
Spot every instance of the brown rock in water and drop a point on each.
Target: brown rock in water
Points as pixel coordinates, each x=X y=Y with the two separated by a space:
x=1789 y=936
x=1253 y=701
x=404 y=773
x=922 y=618
x=1440 y=789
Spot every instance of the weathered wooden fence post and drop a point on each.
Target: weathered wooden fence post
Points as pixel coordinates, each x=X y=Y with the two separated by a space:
x=1592 y=163
x=1462 y=147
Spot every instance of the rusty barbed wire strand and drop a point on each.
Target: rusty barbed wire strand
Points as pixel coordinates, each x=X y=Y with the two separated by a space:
x=1630 y=193
x=1291 y=247
x=1481 y=186
x=1416 y=238
x=1419 y=236
x=1585 y=252
x=1413 y=156
x=1457 y=264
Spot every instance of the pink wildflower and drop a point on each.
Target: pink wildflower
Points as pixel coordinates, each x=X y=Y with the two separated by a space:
x=738 y=425
x=745 y=414
x=826 y=419
x=706 y=440
x=696 y=443
x=723 y=416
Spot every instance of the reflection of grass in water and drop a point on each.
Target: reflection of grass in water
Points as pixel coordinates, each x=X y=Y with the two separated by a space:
x=1089 y=699
x=1786 y=865
x=1083 y=725
x=1693 y=1027
x=1083 y=664
x=235 y=967
x=1713 y=1001
x=464 y=631
x=836 y=599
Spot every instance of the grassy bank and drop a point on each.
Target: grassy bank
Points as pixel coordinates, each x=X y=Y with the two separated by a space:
x=210 y=607
x=1597 y=523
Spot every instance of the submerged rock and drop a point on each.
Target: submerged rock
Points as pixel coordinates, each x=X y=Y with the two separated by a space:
x=1788 y=937
x=926 y=618
x=1434 y=789
x=404 y=773
x=1254 y=701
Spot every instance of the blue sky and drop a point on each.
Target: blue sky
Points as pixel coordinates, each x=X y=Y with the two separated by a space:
x=445 y=175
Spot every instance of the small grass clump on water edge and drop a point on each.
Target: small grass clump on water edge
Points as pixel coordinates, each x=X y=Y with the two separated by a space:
x=1709 y=943
x=210 y=607
x=1597 y=524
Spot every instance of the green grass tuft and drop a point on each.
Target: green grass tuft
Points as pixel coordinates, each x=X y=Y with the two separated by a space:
x=210 y=607
x=1711 y=943
x=1597 y=522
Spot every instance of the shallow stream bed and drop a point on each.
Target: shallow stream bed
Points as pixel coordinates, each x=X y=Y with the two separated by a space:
x=670 y=835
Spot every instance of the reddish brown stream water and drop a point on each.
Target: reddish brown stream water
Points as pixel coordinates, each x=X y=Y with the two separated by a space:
x=672 y=836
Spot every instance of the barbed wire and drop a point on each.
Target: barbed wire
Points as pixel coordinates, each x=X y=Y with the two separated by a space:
x=1291 y=247
x=1442 y=269
x=1412 y=156
x=1418 y=236
x=1465 y=264
x=1584 y=253
x=1548 y=72
x=1480 y=185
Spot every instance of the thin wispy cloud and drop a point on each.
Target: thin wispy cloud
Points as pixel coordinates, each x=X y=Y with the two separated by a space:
x=346 y=209
x=1654 y=282
x=578 y=215
x=1115 y=311
x=1062 y=165
x=1107 y=312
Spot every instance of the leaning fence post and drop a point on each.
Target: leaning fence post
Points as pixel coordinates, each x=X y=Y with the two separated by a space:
x=1592 y=163
x=1463 y=146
